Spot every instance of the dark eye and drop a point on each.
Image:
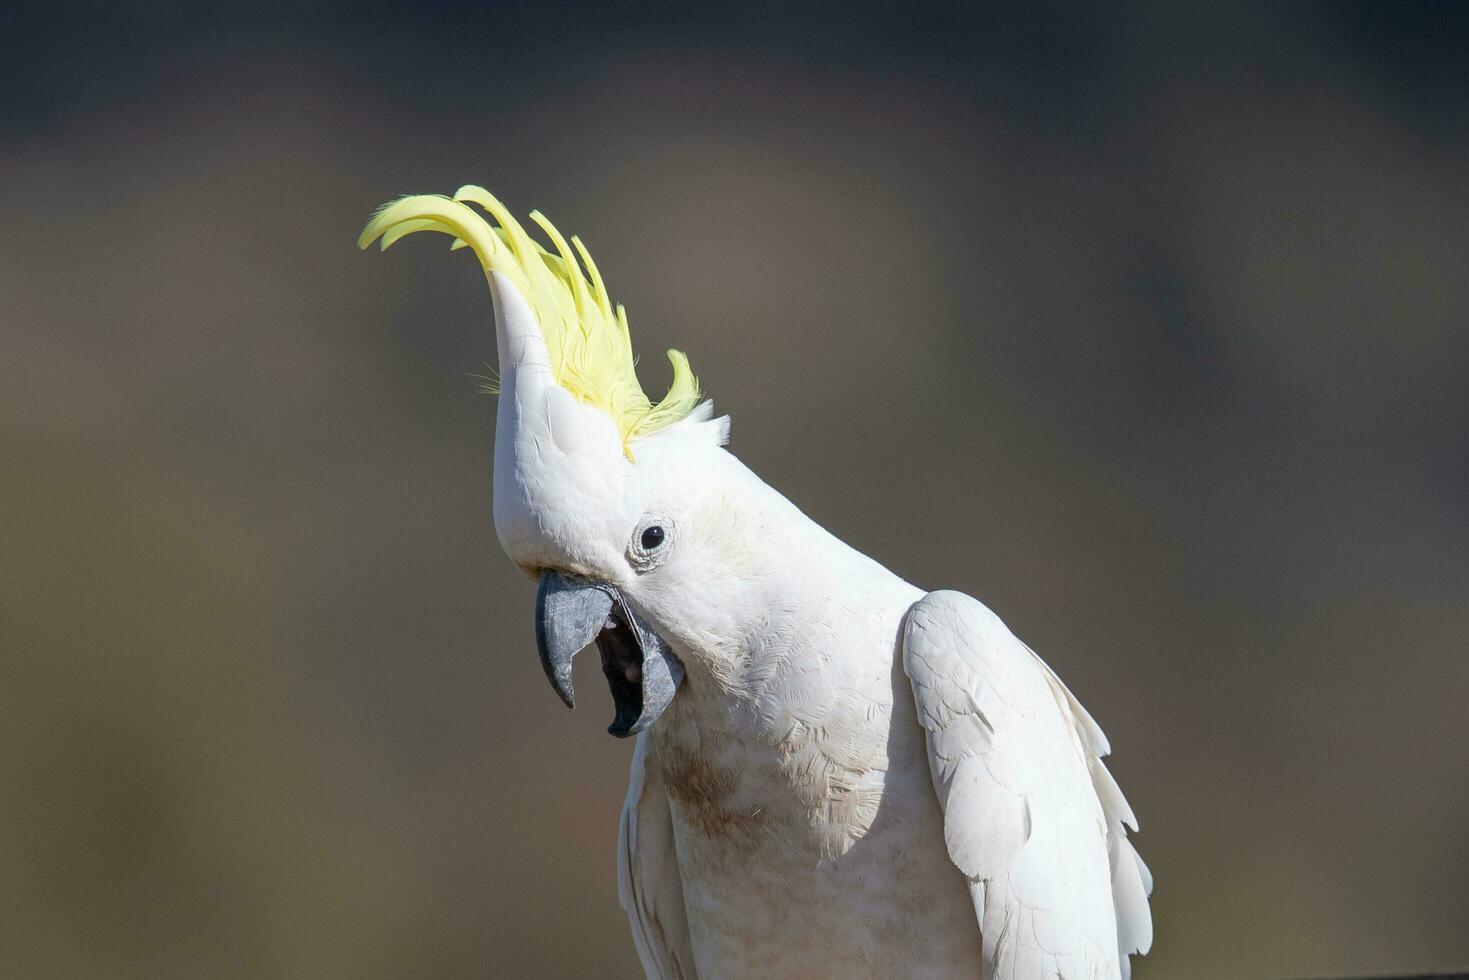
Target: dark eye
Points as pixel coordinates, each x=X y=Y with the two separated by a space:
x=652 y=537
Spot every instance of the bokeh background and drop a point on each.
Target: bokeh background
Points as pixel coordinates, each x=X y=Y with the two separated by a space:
x=1146 y=326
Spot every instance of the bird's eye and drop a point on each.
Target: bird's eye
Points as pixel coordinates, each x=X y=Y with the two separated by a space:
x=652 y=540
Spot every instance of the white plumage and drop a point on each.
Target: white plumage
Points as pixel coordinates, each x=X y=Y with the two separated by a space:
x=837 y=775
x=888 y=784
x=1032 y=817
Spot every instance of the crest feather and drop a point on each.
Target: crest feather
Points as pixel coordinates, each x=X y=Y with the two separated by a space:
x=586 y=336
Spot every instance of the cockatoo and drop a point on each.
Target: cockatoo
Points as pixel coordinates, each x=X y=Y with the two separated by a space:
x=836 y=773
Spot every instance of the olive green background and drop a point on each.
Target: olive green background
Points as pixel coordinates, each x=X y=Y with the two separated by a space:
x=1148 y=327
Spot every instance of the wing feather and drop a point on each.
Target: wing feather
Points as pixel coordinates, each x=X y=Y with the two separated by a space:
x=648 y=882
x=1031 y=815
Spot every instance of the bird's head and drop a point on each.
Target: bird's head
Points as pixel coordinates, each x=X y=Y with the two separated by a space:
x=609 y=499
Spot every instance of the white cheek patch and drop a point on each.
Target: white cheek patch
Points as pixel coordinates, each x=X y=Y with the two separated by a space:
x=730 y=538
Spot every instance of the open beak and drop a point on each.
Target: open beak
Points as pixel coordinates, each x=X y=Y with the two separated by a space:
x=641 y=670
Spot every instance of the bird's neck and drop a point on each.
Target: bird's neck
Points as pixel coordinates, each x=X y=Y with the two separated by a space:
x=809 y=647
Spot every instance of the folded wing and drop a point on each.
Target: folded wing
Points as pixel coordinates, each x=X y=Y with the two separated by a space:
x=648 y=881
x=1031 y=816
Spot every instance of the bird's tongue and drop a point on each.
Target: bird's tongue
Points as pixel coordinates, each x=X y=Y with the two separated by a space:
x=641 y=671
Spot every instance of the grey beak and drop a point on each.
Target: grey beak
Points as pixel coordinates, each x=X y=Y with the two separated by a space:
x=641 y=670
x=569 y=615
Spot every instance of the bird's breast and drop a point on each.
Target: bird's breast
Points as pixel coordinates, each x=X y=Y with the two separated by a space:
x=813 y=823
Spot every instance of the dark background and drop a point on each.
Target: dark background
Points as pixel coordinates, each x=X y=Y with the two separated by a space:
x=1147 y=326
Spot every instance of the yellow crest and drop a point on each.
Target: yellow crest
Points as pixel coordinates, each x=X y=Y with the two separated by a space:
x=590 y=348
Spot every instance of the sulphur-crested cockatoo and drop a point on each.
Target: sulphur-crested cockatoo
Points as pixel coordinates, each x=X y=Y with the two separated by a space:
x=836 y=774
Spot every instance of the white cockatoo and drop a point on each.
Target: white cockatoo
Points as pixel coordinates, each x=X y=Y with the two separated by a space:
x=836 y=773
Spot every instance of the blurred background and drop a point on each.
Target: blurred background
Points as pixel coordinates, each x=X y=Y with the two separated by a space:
x=1148 y=327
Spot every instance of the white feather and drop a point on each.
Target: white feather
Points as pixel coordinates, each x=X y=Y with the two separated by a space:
x=1062 y=894
x=648 y=883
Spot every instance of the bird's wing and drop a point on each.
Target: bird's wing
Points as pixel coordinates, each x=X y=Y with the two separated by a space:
x=1031 y=815
x=648 y=881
